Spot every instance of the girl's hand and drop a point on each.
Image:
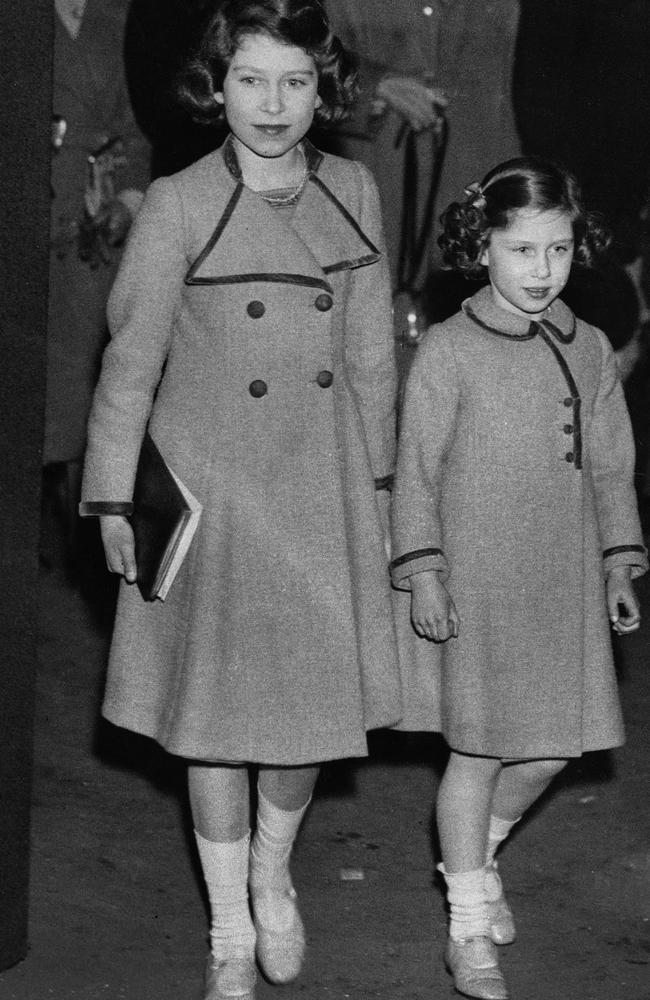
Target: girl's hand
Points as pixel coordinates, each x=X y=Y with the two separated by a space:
x=620 y=594
x=119 y=546
x=433 y=612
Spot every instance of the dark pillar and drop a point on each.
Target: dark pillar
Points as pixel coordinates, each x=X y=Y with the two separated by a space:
x=25 y=111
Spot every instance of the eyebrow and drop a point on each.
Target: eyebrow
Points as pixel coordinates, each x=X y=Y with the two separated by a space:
x=256 y=69
x=529 y=243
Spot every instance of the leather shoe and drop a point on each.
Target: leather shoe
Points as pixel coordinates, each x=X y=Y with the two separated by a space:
x=474 y=966
x=231 y=979
x=281 y=949
x=502 y=923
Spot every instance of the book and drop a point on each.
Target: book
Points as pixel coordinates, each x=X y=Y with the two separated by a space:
x=164 y=519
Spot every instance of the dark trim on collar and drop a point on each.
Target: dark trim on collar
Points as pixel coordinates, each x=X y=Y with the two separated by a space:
x=270 y=276
x=532 y=331
x=564 y=338
x=343 y=265
x=207 y=249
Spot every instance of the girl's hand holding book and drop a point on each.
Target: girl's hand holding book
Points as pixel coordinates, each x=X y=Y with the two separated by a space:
x=433 y=612
x=119 y=546
x=622 y=602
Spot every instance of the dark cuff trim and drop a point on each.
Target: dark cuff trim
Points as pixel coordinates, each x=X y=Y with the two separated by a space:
x=105 y=508
x=417 y=554
x=384 y=482
x=623 y=548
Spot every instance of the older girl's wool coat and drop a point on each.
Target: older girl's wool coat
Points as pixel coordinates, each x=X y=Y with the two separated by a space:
x=515 y=481
x=258 y=345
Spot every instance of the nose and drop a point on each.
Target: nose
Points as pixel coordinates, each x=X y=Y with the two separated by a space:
x=542 y=267
x=273 y=99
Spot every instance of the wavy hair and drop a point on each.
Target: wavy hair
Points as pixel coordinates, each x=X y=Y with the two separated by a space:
x=527 y=182
x=302 y=23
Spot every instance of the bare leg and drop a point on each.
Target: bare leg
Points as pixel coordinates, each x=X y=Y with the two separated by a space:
x=521 y=783
x=463 y=810
x=219 y=800
x=288 y=788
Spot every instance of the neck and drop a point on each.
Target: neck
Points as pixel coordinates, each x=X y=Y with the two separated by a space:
x=261 y=173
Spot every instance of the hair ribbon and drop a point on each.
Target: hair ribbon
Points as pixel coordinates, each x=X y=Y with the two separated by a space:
x=475 y=195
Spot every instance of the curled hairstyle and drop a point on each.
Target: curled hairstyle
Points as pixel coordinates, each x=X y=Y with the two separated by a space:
x=302 y=23
x=526 y=182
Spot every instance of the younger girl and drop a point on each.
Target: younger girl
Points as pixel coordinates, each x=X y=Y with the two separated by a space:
x=516 y=531
x=251 y=330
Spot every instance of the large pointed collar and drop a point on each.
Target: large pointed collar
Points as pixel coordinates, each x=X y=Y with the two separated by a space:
x=254 y=242
x=557 y=320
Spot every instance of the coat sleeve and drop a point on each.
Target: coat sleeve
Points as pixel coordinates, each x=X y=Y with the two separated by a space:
x=369 y=339
x=141 y=312
x=427 y=430
x=610 y=447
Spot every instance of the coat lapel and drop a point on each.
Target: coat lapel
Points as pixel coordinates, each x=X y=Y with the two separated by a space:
x=254 y=242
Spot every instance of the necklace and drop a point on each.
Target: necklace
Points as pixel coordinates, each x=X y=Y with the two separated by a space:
x=279 y=197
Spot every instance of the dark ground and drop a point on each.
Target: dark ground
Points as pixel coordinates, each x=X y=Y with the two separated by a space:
x=116 y=904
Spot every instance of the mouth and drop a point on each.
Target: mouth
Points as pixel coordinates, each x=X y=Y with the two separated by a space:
x=538 y=293
x=273 y=130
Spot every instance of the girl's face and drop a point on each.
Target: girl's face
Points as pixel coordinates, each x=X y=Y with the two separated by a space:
x=270 y=93
x=529 y=261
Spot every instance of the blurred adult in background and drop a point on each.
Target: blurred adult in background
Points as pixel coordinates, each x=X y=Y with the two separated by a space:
x=582 y=95
x=93 y=203
x=435 y=107
x=160 y=34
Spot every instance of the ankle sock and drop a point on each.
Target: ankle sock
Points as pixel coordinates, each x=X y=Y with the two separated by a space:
x=225 y=870
x=270 y=879
x=468 y=909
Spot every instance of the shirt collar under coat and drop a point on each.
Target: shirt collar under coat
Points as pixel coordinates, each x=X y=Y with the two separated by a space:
x=557 y=320
x=320 y=237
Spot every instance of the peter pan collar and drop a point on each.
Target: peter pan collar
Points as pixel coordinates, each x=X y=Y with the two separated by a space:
x=558 y=319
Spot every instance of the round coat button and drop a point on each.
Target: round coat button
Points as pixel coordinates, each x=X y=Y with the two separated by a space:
x=324 y=379
x=323 y=302
x=255 y=309
x=569 y=456
x=568 y=401
x=258 y=388
x=568 y=428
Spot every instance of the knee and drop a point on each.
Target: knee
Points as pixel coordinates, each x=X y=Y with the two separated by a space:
x=546 y=770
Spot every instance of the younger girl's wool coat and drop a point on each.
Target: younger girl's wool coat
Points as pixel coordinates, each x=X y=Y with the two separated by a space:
x=515 y=481
x=258 y=345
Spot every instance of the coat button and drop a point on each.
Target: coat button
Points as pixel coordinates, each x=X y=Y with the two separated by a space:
x=324 y=379
x=568 y=401
x=255 y=309
x=568 y=428
x=258 y=388
x=323 y=302
x=569 y=456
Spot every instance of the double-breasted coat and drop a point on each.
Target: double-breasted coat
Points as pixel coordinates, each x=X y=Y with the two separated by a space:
x=515 y=482
x=276 y=408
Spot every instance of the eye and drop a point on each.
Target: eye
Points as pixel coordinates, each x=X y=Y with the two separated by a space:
x=250 y=81
x=561 y=249
x=295 y=82
x=524 y=250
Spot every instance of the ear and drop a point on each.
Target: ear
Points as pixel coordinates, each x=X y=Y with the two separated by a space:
x=218 y=96
x=484 y=259
x=318 y=102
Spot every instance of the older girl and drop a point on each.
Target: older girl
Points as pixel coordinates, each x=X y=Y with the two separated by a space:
x=516 y=532
x=251 y=331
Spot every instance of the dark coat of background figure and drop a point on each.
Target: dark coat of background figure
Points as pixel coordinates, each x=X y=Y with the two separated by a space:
x=91 y=96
